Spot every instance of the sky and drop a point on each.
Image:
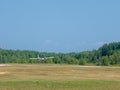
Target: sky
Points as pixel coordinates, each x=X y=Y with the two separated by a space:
x=58 y=25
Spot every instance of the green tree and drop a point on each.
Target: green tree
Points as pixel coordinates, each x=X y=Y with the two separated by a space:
x=82 y=61
x=105 y=60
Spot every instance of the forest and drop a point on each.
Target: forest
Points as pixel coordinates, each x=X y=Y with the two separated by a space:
x=108 y=54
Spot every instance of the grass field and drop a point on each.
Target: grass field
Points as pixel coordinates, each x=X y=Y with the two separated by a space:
x=58 y=77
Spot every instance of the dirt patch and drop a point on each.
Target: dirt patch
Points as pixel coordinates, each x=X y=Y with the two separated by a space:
x=1 y=65
x=1 y=73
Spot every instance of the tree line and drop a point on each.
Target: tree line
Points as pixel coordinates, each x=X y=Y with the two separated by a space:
x=108 y=54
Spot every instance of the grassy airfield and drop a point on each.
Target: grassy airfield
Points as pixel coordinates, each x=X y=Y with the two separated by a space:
x=58 y=77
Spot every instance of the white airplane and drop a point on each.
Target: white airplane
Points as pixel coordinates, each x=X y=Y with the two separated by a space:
x=41 y=58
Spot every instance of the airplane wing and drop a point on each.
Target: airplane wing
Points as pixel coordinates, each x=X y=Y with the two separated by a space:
x=33 y=58
x=49 y=57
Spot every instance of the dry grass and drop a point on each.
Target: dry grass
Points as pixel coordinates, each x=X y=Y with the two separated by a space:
x=59 y=76
x=27 y=72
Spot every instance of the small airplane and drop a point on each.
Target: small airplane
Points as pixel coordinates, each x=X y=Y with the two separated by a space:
x=41 y=58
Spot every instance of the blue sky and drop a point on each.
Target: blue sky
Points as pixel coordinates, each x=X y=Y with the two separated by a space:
x=58 y=25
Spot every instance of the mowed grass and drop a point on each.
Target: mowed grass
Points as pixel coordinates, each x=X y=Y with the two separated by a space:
x=58 y=77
